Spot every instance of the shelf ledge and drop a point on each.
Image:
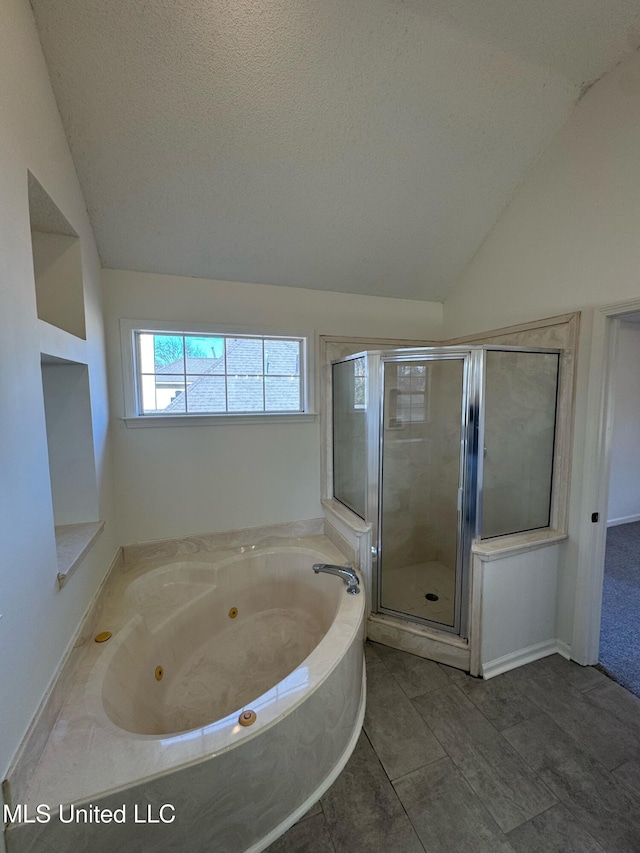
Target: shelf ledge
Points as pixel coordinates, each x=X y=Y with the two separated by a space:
x=73 y=543
x=58 y=346
x=516 y=543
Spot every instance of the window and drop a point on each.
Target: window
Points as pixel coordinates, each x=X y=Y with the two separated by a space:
x=359 y=384
x=198 y=371
x=409 y=399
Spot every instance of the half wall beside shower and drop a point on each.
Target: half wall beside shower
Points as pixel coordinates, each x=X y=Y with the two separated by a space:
x=435 y=448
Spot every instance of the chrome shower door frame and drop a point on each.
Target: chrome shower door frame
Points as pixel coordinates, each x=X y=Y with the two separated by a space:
x=469 y=474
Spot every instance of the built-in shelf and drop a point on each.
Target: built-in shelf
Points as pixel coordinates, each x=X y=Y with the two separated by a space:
x=58 y=346
x=67 y=408
x=66 y=389
x=73 y=542
x=57 y=263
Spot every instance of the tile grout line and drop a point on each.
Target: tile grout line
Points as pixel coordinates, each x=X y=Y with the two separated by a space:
x=394 y=789
x=515 y=752
x=559 y=798
x=560 y=802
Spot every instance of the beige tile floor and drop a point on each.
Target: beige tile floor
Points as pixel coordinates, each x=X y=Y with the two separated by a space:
x=404 y=589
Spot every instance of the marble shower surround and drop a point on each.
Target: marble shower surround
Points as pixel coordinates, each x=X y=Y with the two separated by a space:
x=559 y=332
x=218 y=770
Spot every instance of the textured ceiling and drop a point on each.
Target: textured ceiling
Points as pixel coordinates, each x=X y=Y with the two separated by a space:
x=366 y=146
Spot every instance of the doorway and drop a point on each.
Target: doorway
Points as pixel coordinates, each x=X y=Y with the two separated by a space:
x=619 y=652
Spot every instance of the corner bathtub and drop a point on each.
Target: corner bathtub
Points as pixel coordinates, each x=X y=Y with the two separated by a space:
x=254 y=630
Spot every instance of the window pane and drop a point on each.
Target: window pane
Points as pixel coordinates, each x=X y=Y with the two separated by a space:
x=244 y=356
x=162 y=393
x=205 y=354
x=168 y=353
x=206 y=394
x=244 y=394
x=411 y=377
x=282 y=394
x=404 y=376
x=359 y=387
x=410 y=407
x=282 y=358
x=145 y=352
x=418 y=374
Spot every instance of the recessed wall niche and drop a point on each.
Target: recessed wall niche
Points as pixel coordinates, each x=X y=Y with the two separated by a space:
x=57 y=264
x=59 y=290
x=67 y=407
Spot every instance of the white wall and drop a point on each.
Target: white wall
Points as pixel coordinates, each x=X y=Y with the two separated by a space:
x=172 y=481
x=518 y=608
x=624 y=478
x=568 y=241
x=38 y=620
x=569 y=238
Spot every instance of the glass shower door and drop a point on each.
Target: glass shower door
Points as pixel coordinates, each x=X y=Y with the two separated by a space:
x=421 y=488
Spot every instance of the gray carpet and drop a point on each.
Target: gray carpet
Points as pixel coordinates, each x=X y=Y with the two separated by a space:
x=620 y=628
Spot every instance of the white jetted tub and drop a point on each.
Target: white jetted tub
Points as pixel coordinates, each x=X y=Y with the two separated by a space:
x=157 y=717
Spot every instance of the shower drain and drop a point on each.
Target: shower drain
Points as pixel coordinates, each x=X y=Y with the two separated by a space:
x=431 y=596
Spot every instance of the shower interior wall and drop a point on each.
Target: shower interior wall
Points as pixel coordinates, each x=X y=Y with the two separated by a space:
x=421 y=461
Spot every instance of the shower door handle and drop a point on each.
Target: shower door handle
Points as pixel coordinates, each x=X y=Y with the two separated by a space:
x=460 y=500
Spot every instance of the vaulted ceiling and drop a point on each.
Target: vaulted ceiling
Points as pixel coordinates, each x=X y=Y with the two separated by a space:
x=365 y=146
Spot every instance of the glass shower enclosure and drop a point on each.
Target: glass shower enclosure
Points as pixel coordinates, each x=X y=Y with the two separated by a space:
x=436 y=447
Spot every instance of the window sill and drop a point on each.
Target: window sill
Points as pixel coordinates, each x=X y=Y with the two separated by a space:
x=73 y=543
x=215 y=420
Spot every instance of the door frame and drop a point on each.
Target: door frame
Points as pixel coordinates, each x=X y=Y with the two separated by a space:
x=466 y=530
x=592 y=537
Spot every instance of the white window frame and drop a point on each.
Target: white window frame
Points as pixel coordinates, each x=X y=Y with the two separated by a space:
x=133 y=416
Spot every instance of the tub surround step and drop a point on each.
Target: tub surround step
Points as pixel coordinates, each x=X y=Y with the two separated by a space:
x=184 y=546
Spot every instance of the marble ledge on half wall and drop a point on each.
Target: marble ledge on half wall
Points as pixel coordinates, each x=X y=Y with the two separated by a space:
x=73 y=542
x=516 y=543
x=345 y=515
x=185 y=545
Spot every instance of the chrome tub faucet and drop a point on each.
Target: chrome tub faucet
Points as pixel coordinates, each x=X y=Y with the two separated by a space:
x=347 y=573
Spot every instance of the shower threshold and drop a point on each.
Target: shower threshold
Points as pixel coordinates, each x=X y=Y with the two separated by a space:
x=424 y=641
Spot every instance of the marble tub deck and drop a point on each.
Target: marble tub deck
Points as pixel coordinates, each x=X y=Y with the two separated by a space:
x=542 y=759
x=86 y=755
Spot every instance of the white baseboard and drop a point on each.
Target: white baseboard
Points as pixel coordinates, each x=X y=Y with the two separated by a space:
x=627 y=519
x=515 y=659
